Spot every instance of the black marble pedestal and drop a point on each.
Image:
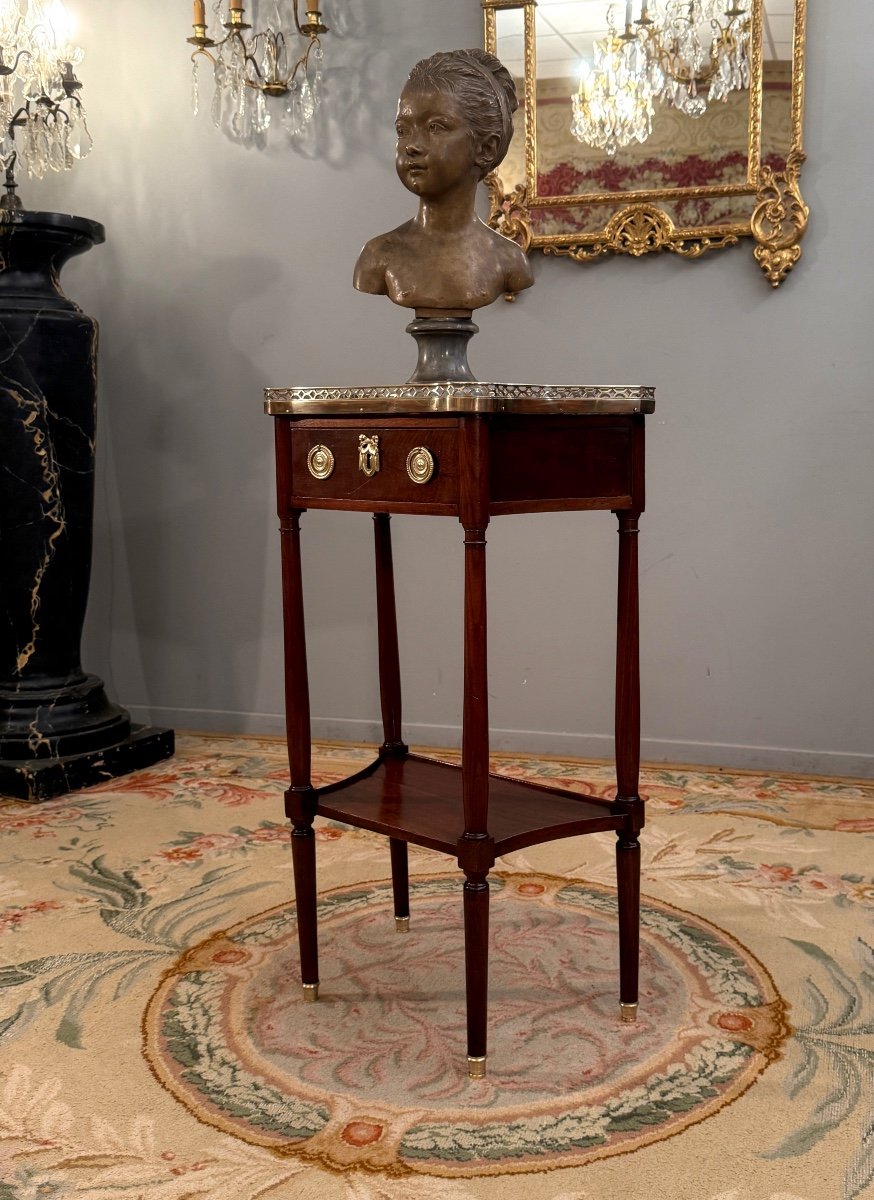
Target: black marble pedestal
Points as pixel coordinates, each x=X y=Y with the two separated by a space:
x=58 y=728
x=44 y=778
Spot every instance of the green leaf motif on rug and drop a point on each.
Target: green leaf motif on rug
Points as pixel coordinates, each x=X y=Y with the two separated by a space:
x=189 y=1029
x=733 y=983
x=76 y=980
x=680 y=1089
x=831 y=1045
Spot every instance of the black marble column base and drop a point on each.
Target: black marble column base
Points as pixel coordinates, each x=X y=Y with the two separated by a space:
x=39 y=779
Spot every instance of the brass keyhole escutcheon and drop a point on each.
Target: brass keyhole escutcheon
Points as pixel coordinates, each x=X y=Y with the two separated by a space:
x=320 y=462
x=420 y=464
x=368 y=454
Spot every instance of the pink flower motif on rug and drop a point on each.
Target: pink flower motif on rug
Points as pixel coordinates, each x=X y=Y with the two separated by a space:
x=12 y=919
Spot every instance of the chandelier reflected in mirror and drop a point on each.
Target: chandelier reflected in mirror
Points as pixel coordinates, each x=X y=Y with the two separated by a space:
x=41 y=111
x=252 y=67
x=684 y=53
x=614 y=104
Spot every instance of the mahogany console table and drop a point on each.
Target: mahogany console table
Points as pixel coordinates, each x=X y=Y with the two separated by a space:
x=471 y=451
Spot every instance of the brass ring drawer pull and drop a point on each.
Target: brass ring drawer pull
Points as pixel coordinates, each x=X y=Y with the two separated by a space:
x=320 y=462
x=420 y=464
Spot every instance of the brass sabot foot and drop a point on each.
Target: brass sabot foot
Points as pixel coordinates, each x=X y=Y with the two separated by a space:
x=402 y=924
x=310 y=992
x=476 y=1067
x=629 y=1012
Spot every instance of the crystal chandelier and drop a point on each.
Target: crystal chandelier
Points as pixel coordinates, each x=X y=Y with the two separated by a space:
x=702 y=49
x=248 y=67
x=613 y=105
x=41 y=111
x=692 y=52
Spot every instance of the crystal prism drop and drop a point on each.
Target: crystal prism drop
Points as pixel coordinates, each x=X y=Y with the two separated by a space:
x=307 y=104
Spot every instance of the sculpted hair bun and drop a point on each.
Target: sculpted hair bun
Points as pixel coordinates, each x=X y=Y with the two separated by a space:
x=502 y=76
x=481 y=85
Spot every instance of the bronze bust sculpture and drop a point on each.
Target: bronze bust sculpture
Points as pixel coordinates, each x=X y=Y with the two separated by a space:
x=454 y=124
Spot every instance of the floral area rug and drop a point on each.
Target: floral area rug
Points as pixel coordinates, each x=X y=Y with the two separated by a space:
x=154 y=1042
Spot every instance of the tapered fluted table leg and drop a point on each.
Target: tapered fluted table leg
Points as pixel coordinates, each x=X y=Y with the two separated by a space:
x=476 y=848
x=628 y=799
x=476 y=966
x=300 y=799
x=400 y=882
x=628 y=889
x=303 y=857
x=390 y=699
x=387 y=636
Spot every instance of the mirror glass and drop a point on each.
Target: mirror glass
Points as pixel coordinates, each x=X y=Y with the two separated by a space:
x=707 y=110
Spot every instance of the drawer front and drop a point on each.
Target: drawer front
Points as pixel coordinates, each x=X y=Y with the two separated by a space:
x=368 y=463
x=561 y=462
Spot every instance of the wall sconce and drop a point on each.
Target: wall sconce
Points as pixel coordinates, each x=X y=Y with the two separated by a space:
x=250 y=67
x=41 y=112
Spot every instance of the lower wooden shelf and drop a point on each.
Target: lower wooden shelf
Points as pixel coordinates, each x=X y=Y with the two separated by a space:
x=419 y=800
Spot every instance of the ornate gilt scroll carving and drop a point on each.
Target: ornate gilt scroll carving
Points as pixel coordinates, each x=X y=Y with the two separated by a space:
x=766 y=205
x=640 y=229
x=779 y=220
x=508 y=214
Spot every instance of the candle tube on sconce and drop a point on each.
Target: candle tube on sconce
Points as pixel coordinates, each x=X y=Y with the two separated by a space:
x=313 y=24
x=627 y=14
x=239 y=74
x=236 y=18
x=645 y=21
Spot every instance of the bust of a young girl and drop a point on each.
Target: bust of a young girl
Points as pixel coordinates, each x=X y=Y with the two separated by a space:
x=454 y=124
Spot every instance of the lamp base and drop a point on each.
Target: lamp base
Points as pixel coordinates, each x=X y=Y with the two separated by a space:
x=39 y=779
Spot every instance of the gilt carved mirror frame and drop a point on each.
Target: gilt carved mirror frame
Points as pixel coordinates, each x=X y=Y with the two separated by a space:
x=564 y=206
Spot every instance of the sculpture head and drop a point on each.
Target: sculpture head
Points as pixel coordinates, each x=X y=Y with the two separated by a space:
x=454 y=125
x=455 y=118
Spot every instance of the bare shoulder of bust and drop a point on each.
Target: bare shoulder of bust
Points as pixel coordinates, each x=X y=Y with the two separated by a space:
x=515 y=264
x=375 y=259
x=369 y=275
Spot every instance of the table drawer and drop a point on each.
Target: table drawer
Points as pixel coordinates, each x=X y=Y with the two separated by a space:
x=562 y=462
x=364 y=463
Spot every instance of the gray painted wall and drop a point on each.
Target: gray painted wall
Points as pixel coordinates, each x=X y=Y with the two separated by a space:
x=228 y=269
